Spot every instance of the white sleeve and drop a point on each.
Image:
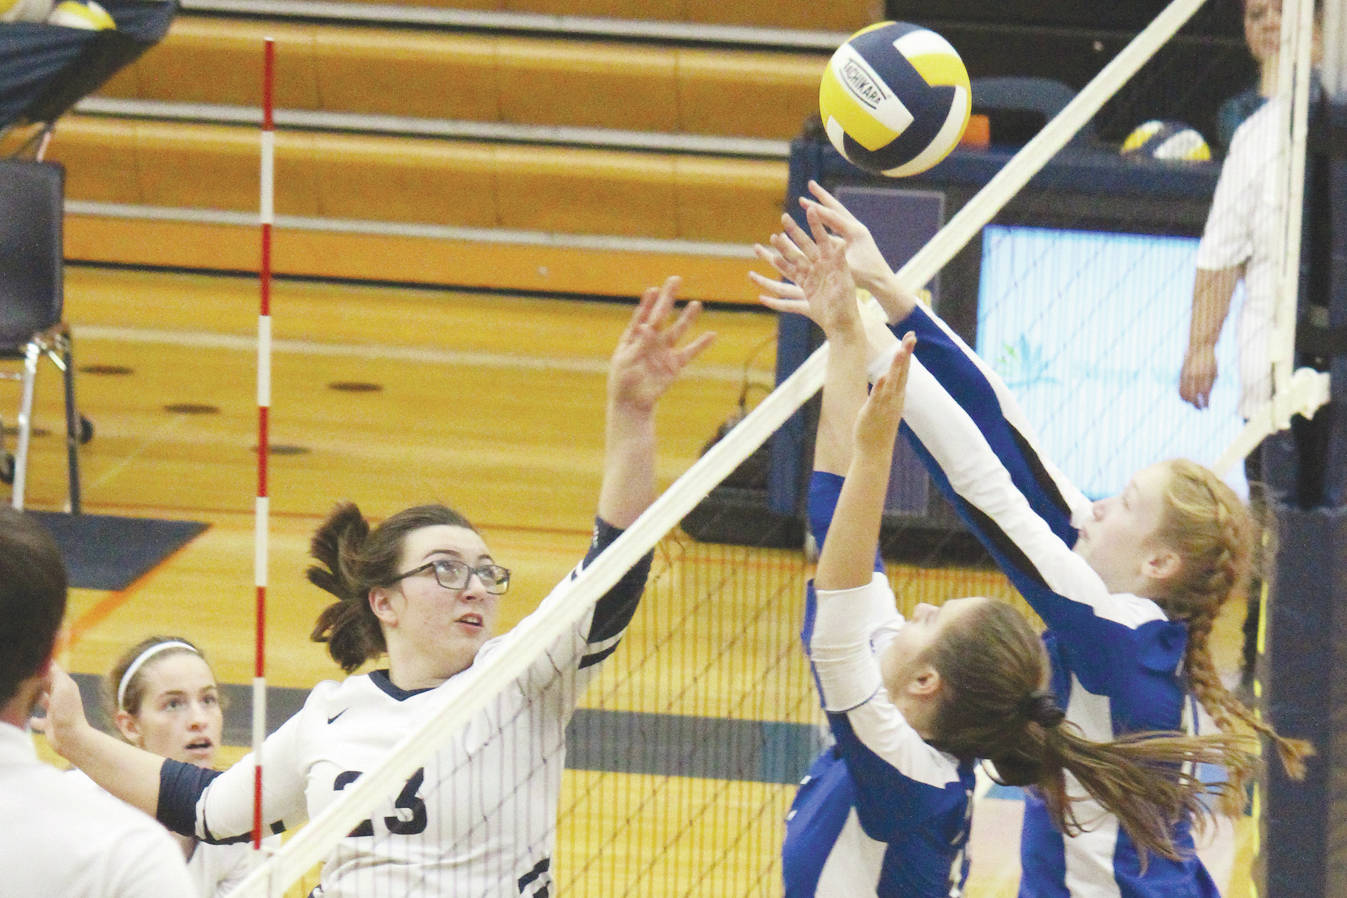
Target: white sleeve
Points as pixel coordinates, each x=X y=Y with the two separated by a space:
x=1227 y=238
x=218 y=807
x=840 y=645
x=225 y=809
x=147 y=864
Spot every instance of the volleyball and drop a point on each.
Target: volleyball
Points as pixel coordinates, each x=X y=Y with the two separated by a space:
x=895 y=99
x=1167 y=140
x=81 y=14
x=24 y=10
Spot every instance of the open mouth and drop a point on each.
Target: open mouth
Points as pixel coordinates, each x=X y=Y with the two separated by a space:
x=470 y=620
x=200 y=746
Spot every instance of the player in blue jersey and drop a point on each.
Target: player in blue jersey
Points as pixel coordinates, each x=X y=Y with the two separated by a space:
x=1128 y=586
x=422 y=588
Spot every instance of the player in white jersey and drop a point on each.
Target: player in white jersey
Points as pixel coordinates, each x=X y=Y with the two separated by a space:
x=1128 y=587
x=57 y=839
x=162 y=696
x=479 y=819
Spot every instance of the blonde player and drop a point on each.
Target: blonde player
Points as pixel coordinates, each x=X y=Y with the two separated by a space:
x=424 y=588
x=1128 y=586
x=162 y=696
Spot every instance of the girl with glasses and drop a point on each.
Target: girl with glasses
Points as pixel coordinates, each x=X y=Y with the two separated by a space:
x=423 y=589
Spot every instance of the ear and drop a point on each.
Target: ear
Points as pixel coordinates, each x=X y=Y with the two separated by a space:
x=924 y=684
x=382 y=603
x=1160 y=565
x=128 y=726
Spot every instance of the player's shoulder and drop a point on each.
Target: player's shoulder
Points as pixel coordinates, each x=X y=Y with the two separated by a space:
x=1133 y=611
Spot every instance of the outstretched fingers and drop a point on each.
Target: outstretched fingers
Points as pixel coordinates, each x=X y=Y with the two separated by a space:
x=892 y=384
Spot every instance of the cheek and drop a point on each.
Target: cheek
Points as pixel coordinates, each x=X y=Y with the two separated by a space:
x=158 y=731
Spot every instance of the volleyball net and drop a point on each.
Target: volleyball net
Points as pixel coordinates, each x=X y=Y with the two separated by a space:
x=685 y=749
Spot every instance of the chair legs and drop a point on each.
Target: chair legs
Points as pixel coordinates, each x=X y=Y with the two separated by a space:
x=56 y=345
x=32 y=352
x=74 y=432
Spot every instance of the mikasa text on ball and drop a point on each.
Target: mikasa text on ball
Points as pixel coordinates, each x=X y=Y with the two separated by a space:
x=895 y=99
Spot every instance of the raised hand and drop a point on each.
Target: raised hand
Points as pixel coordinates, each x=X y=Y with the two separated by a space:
x=648 y=358
x=878 y=420
x=867 y=263
x=824 y=289
x=65 y=711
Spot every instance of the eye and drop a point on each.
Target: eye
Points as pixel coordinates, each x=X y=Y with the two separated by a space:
x=210 y=699
x=173 y=704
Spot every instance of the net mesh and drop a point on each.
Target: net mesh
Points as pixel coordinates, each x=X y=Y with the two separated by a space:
x=685 y=748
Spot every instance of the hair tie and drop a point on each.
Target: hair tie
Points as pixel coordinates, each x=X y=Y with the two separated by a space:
x=1041 y=707
x=134 y=667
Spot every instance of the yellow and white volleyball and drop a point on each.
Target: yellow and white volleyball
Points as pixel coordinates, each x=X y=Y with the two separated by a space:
x=895 y=99
x=81 y=14
x=24 y=10
x=1167 y=140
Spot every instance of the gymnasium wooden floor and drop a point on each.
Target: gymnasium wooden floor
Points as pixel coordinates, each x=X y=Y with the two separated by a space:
x=493 y=404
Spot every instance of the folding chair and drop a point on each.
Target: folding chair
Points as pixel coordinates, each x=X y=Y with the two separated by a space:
x=31 y=299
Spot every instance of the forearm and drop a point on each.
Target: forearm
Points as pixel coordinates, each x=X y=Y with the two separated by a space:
x=1213 y=290
x=844 y=387
x=848 y=556
x=130 y=773
x=628 y=485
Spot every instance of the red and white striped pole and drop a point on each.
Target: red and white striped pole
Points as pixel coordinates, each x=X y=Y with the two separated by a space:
x=266 y=217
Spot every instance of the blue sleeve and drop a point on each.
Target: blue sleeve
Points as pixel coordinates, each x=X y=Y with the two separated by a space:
x=181 y=786
x=1004 y=492
x=824 y=488
x=614 y=611
x=968 y=385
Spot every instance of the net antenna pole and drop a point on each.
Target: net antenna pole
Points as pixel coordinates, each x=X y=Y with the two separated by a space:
x=266 y=218
x=479 y=684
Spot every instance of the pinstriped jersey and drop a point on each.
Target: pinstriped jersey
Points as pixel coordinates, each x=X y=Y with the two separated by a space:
x=1116 y=658
x=880 y=812
x=479 y=819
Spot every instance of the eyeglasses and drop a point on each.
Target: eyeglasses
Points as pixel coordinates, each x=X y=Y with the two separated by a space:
x=453 y=574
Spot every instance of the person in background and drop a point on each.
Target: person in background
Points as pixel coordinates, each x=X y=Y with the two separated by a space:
x=162 y=696
x=57 y=839
x=1238 y=245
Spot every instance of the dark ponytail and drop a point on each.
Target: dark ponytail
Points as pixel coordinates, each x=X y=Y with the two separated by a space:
x=993 y=666
x=352 y=560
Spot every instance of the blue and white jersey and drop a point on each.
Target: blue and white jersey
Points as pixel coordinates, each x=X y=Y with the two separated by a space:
x=881 y=812
x=1116 y=659
x=479 y=819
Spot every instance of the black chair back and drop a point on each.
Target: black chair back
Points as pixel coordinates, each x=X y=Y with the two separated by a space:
x=31 y=290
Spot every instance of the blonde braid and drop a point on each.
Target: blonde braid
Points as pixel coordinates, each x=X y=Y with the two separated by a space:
x=1214 y=533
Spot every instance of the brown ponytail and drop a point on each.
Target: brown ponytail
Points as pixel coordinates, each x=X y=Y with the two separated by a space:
x=992 y=666
x=1215 y=535
x=352 y=560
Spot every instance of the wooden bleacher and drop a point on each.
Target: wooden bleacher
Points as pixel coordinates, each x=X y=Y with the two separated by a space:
x=614 y=160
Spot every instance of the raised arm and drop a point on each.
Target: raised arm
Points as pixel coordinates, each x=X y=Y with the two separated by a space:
x=843 y=561
x=168 y=790
x=645 y=363
x=130 y=773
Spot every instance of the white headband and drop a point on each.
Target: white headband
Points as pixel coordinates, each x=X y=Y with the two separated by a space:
x=144 y=656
